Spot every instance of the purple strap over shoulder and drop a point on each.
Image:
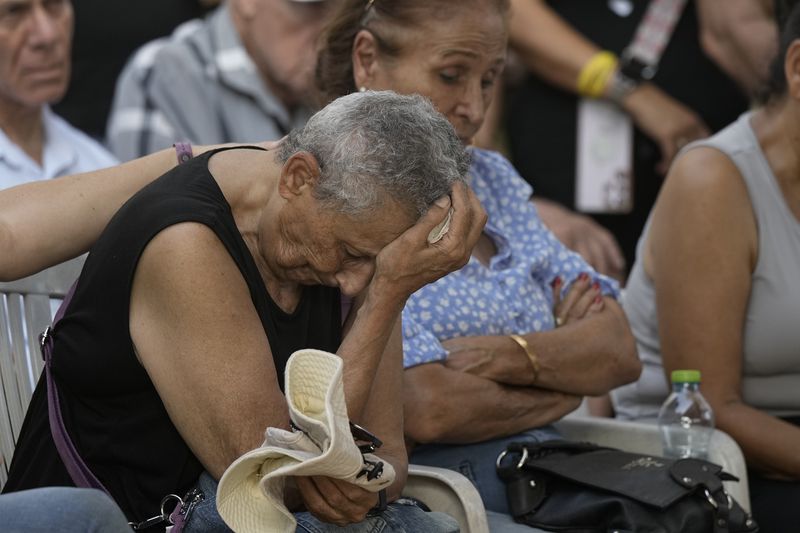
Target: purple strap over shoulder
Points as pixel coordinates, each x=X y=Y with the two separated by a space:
x=81 y=475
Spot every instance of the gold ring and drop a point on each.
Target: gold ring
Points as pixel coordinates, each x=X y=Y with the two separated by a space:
x=559 y=321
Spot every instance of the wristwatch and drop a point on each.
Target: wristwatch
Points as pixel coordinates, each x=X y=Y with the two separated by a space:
x=636 y=69
x=620 y=86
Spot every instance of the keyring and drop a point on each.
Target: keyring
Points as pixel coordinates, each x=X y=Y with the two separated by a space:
x=520 y=463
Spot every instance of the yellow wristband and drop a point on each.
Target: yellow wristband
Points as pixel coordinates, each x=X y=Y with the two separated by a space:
x=596 y=74
x=534 y=359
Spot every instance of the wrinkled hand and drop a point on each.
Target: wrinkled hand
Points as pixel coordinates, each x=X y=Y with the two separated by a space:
x=487 y=356
x=582 y=299
x=410 y=261
x=665 y=120
x=335 y=501
x=471 y=354
x=583 y=235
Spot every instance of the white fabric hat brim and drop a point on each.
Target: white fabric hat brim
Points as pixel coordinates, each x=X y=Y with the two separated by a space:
x=250 y=492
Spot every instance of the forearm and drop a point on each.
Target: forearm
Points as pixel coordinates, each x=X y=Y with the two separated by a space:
x=588 y=357
x=547 y=45
x=33 y=235
x=383 y=413
x=367 y=334
x=34 y=214
x=768 y=443
x=399 y=461
x=443 y=405
x=741 y=38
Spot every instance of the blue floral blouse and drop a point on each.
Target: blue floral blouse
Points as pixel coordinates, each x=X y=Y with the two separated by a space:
x=511 y=295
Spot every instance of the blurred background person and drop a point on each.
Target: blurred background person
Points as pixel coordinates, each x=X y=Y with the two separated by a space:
x=716 y=54
x=243 y=73
x=714 y=287
x=35 y=144
x=107 y=32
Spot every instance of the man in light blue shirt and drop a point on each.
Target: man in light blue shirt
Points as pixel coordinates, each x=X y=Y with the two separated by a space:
x=35 y=144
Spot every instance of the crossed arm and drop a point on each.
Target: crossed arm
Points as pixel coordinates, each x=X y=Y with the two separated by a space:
x=485 y=388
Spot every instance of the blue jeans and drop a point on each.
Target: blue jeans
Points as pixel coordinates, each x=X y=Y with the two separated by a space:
x=397 y=518
x=477 y=463
x=64 y=509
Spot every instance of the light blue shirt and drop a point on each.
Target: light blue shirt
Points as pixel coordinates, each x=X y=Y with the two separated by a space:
x=511 y=295
x=66 y=151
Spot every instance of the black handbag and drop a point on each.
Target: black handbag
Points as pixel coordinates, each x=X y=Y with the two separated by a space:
x=579 y=487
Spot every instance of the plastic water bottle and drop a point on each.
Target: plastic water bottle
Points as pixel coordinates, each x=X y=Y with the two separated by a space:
x=686 y=420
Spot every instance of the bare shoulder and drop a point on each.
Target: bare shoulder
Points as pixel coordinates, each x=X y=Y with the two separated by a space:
x=189 y=253
x=186 y=281
x=704 y=207
x=703 y=172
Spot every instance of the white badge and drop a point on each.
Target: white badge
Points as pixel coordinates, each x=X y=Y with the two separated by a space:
x=604 y=166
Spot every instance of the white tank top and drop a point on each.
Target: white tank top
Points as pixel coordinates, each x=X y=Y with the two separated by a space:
x=771 y=340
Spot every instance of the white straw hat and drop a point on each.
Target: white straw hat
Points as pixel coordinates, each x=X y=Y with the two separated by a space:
x=250 y=493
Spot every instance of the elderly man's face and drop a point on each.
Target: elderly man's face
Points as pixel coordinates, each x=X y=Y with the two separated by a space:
x=281 y=37
x=35 y=40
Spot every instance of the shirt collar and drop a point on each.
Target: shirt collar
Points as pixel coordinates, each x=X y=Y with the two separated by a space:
x=59 y=153
x=11 y=154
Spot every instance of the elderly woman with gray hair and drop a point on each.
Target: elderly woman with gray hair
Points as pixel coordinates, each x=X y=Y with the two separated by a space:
x=171 y=353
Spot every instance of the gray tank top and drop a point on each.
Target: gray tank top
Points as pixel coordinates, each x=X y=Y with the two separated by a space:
x=771 y=342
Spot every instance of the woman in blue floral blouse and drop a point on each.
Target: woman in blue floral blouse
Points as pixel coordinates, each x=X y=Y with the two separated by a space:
x=485 y=362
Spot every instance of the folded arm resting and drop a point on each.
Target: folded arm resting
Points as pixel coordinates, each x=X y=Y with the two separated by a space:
x=589 y=356
x=444 y=405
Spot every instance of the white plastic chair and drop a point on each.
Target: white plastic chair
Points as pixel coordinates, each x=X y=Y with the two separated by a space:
x=25 y=310
x=448 y=492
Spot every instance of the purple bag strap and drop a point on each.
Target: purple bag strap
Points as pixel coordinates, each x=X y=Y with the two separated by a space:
x=81 y=474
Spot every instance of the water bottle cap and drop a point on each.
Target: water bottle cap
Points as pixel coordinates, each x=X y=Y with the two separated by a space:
x=685 y=376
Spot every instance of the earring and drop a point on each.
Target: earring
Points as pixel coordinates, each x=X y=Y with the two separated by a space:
x=362 y=89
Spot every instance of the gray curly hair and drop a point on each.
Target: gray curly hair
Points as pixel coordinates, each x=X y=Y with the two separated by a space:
x=372 y=143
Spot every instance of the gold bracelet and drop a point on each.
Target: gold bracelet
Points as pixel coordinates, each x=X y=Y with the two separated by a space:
x=529 y=352
x=596 y=74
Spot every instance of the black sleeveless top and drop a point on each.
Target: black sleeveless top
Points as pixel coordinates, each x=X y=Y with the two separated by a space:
x=111 y=408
